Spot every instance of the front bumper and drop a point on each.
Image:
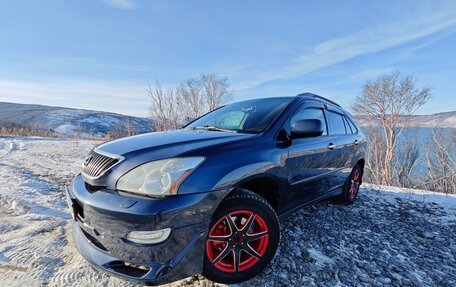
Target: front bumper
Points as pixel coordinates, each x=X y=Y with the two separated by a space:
x=102 y=220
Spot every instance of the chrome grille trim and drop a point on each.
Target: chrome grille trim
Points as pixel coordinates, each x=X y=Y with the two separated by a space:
x=100 y=163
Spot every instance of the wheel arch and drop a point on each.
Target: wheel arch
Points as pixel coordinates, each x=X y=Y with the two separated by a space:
x=361 y=162
x=264 y=185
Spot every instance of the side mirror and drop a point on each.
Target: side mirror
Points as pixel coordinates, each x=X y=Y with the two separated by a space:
x=306 y=128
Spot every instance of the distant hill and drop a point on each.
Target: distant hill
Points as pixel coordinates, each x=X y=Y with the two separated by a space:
x=89 y=123
x=439 y=120
x=71 y=122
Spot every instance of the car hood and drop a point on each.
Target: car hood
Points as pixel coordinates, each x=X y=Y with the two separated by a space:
x=169 y=143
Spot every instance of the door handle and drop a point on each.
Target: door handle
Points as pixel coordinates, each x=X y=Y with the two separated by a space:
x=331 y=146
x=356 y=142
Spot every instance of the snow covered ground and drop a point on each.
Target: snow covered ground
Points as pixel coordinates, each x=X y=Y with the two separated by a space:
x=390 y=236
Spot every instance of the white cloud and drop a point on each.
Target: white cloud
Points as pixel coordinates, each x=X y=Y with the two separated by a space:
x=121 y=4
x=340 y=49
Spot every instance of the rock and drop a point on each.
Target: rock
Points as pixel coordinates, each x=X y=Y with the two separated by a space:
x=283 y=275
x=305 y=255
x=396 y=276
x=364 y=278
x=383 y=280
x=429 y=235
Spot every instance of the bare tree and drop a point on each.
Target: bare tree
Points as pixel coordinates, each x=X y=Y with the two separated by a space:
x=165 y=110
x=174 y=106
x=31 y=129
x=215 y=90
x=406 y=158
x=191 y=98
x=129 y=127
x=390 y=99
x=440 y=156
x=121 y=130
x=375 y=154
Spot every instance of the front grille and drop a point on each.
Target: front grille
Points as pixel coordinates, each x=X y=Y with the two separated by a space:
x=96 y=164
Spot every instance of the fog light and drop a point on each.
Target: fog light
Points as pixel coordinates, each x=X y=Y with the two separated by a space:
x=149 y=237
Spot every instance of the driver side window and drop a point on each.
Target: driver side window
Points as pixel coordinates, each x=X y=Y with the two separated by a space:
x=310 y=114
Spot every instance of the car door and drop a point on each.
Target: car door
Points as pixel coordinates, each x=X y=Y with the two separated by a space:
x=344 y=142
x=309 y=159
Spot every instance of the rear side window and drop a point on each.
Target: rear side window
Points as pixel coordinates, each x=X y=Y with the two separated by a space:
x=352 y=126
x=348 y=129
x=337 y=123
x=310 y=114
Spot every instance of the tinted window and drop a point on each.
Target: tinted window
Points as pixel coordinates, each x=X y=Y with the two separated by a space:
x=310 y=114
x=251 y=116
x=337 y=123
x=347 y=126
x=352 y=126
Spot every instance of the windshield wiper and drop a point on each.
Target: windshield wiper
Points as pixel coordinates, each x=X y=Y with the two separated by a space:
x=214 y=128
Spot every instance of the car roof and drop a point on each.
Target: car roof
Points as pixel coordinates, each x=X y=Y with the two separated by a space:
x=310 y=96
x=314 y=96
x=330 y=105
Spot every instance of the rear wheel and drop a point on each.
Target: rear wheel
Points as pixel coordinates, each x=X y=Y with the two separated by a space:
x=351 y=187
x=242 y=240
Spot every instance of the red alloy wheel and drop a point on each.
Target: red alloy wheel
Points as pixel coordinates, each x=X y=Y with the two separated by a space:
x=237 y=241
x=354 y=184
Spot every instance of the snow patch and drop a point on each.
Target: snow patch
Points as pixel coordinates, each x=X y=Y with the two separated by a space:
x=390 y=193
x=319 y=257
x=66 y=129
x=387 y=227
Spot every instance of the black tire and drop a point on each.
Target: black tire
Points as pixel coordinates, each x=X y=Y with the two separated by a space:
x=235 y=206
x=347 y=196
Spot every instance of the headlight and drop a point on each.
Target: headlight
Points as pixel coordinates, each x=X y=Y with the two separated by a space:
x=161 y=177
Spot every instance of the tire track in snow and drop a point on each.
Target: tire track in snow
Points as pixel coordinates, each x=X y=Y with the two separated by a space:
x=32 y=248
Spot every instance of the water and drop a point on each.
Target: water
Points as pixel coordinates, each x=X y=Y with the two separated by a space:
x=422 y=138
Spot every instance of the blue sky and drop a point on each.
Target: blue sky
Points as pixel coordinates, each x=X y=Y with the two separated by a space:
x=102 y=54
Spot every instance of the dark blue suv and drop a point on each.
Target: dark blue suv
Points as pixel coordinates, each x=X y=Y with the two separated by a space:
x=207 y=198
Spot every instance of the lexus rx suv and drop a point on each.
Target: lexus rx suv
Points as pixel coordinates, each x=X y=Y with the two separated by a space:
x=207 y=198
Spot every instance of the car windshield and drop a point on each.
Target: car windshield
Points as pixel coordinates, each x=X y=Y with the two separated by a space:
x=251 y=116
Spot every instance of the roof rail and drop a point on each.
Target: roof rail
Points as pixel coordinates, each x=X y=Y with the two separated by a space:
x=318 y=97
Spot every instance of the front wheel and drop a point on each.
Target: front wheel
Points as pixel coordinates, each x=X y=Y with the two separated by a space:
x=242 y=240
